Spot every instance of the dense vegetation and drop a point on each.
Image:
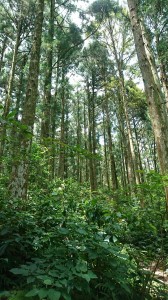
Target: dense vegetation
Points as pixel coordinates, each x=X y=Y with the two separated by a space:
x=70 y=244
x=83 y=150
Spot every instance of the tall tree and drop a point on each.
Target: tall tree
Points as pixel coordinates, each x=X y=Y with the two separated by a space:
x=20 y=168
x=155 y=99
x=46 y=118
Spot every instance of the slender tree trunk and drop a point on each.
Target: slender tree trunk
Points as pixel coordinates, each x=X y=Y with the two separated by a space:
x=19 y=104
x=2 y=52
x=46 y=121
x=105 y=152
x=91 y=137
x=93 y=121
x=86 y=144
x=61 y=167
x=66 y=159
x=132 y=166
x=53 y=126
x=126 y=164
x=140 y=167
x=12 y=72
x=164 y=80
x=155 y=100
x=114 y=178
x=10 y=87
x=20 y=168
x=79 y=133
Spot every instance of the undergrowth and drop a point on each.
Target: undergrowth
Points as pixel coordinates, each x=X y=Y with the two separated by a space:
x=71 y=244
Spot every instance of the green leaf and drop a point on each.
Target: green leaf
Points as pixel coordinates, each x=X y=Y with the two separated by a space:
x=66 y=296
x=42 y=293
x=114 y=239
x=81 y=266
x=63 y=230
x=90 y=275
x=53 y=273
x=30 y=279
x=19 y=271
x=48 y=281
x=32 y=293
x=125 y=287
x=81 y=231
x=17 y=295
x=5 y=294
x=54 y=295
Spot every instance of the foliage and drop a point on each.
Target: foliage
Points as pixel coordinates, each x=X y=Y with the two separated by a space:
x=103 y=236
x=74 y=245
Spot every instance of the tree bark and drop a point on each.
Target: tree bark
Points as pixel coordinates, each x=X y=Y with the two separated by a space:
x=61 y=167
x=106 y=165
x=155 y=99
x=114 y=178
x=91 y=136
x=7 y=105
x=46 y=119
x=3 y=51
x=20 y=168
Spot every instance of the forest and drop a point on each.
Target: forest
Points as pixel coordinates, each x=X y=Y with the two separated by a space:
x=84 y=149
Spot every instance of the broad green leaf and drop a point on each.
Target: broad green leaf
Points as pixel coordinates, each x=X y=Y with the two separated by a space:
x=63 y=230
x=30 y=279
x=48 y=281
x=17 y=295
x=66 y=296
x=81 y=231
x=53 y=294
x=90 y=275
x=19 y=271
x=4 y=294
x=81 y=266
x=32 y=293
x=125 y=287
x=42 y=293
x=114 y=239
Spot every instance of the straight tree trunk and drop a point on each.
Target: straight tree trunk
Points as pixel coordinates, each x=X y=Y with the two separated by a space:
x=61 y=167
x=10 y=87
x=3 y=52
x=131 y=153
x=79 y=134
x=140 y=167
x=46 y=121
x=155 y=99
x=86 y=142
x=107 y=180
x=91 y=137
x=20 y=168
x=114 y=179
x=53 y=126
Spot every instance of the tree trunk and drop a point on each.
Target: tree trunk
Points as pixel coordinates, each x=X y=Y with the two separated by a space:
x=10 y=87
x=91 y=137
x=19 y=178
x=131 y=153
x=53 y=127
x=107 y=180
x=114 y=179
x=140 y=167
x=79 y=134
x=155 y=100
x=86 y=143
x=61 y=167
x=45 y=126
x=2 y=52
